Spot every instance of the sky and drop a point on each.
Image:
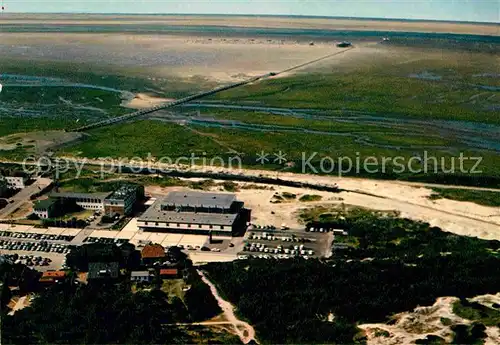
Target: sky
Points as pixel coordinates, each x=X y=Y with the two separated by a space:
x=459 y=10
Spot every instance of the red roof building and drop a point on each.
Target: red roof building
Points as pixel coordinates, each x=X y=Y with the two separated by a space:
x=169 y=272
x=52 y=277
x=152 y=253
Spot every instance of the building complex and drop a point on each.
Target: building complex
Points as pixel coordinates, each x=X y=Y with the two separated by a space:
x=196 y=213
x=121 y=201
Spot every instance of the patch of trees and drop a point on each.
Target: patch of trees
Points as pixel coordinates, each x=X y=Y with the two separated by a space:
x=413 y=264
x=19 y=275
x=107 y=313
x=469 y=334
x=380 y=235
x=199 y=300
x=79 y=257
x=94 y=315
x=431 y=340
x=70 y=223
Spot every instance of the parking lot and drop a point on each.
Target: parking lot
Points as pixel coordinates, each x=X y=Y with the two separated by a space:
x=39 y=261
x=34 y=242
x=285 y=244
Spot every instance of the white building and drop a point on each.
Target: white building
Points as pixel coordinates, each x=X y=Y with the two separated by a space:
x=16 y=182
x=45 y=208
x=140 y=276
x=122 y=200
x=87 y=201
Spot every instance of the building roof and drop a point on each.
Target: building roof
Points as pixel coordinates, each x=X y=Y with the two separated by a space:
x=140 y=274
x=70 y=195
x=96 y=267
x=54 y=274
x=123 y=192
x=44 y=204
x=155 y=215
x=169 y=272
x=153 y=251
x=198 y=199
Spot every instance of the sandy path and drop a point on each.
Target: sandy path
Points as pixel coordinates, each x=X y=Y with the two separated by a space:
x=243 y=329
x=142 y=101
x=20 y=304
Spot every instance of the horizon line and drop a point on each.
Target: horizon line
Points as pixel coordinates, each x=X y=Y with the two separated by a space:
x=262 y=15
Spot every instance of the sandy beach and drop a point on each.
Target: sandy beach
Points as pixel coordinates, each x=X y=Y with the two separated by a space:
x=215 y=59
x=256 y=22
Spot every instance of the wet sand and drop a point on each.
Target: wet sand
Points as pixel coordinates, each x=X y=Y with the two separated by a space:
x=257 y=22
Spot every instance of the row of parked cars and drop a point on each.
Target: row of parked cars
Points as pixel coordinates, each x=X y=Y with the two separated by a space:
x=29 y=260
x=262 y=227
x=104 y=240
x=291 y=250
x=267 y=256
x=36 y=236
x=42 y=246
x=335 y=231
x=271 y=237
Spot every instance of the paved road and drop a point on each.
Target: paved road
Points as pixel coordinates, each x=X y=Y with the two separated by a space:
x=23 y=196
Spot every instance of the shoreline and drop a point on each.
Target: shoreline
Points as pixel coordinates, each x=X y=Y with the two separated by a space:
x=257 y=22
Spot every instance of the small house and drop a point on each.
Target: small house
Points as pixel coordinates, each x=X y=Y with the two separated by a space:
x=103 y=270
x=169 y=273
x=52 y=277
x=141 y=276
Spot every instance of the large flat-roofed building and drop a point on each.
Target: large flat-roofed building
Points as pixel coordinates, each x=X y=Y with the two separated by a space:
x=87 y=201
x=196 y=213
x=122 y=200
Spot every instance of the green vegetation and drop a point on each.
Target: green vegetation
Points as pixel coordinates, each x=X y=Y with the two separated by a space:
x=288 y=301
x=310 y=198
x=396 y=89
x=431 y=340
x=62 y=101
x=469 y=334
x=128 y=78
x=98 y=315
x=485 y=198
x=387 y=88
x=446 y=321
x=230 y=186
x=10 y=125
x=43 y=104
x=92 y=182
x=288 y=196
x=145 y=137
x=106 y=312
x=92 y=315
x=475 y=311
x=204 y=143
